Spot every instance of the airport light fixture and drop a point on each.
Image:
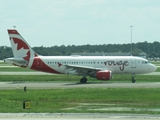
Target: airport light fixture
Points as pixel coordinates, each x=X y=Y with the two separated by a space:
x=131 y=40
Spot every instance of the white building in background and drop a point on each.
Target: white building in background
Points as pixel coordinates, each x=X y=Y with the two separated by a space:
x=143 y=55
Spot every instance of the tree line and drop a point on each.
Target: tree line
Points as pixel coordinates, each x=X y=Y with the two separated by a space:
x=152 y=50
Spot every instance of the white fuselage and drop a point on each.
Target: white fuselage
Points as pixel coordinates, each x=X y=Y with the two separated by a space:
x=116 y=64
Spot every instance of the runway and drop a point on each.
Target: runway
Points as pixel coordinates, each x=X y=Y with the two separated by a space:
x=66 y=85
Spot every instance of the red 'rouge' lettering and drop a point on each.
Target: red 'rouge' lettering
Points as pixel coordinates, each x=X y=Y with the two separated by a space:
x=120 y=63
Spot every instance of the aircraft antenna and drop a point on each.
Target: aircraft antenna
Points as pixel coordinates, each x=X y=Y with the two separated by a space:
x=14 y=27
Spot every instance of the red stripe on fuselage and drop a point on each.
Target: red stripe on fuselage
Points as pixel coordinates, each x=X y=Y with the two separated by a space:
x=39 y=65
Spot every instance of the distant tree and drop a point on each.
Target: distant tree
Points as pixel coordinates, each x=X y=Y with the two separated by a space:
x=136 y=52
x=153 y=55
x=151 y=49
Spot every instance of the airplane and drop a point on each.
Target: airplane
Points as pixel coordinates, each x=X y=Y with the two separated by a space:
x=100 y=67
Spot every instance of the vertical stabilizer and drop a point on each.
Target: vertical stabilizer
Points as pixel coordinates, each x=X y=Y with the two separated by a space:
x=21 y=49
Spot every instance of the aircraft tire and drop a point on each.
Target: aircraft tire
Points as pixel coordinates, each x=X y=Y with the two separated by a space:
x=133 y=80
x=83 y=80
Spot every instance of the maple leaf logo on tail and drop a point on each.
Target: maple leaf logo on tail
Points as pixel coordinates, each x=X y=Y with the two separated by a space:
x=20 y=47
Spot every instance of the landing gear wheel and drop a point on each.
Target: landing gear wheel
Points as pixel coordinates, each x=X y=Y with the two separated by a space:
x=133 y=80
x=83 y=80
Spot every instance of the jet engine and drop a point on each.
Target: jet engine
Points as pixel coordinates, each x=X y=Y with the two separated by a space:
x=104 y=75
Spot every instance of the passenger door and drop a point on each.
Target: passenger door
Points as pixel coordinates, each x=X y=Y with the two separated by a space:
x=133 y=63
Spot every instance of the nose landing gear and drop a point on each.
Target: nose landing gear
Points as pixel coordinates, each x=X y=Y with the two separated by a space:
x=133 y=80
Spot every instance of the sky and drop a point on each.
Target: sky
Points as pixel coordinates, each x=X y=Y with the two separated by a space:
x=79 y=22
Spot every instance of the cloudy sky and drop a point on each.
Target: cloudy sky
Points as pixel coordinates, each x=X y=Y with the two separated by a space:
x=80 y=22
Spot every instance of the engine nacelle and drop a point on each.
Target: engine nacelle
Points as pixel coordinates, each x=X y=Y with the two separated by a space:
x=104 y=75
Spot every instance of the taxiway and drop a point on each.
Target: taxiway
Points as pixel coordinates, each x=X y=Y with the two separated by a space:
x=64 y=85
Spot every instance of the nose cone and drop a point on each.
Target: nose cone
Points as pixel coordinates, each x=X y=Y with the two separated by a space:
x=153 y=68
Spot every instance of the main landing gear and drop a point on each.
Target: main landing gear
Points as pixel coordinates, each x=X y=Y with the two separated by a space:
x=133 y=80
x=83 y=80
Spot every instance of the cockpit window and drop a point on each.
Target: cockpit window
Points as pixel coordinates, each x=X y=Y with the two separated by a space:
x=144 y=62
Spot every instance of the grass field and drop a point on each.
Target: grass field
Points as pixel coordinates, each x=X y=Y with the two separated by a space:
x=15 y=69
x=80 y=100
x=83 y=100
x=73 y=78
x=156 y=63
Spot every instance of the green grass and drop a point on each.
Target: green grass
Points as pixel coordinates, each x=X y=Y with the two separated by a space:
x=72 y=100
x=155 y=63
x=15 y=69
x=158 y=69
x=3 y=63
x=34 y=78
x=80 y=100
x=72 y=78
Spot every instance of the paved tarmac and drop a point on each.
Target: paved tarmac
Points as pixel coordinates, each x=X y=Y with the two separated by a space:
x=76 y=116
x=64 y=85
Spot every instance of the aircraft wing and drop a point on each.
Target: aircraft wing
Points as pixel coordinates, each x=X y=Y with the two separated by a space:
x=82 y=70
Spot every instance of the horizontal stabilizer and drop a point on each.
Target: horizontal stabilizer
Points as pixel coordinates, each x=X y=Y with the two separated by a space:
x=18 y=62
